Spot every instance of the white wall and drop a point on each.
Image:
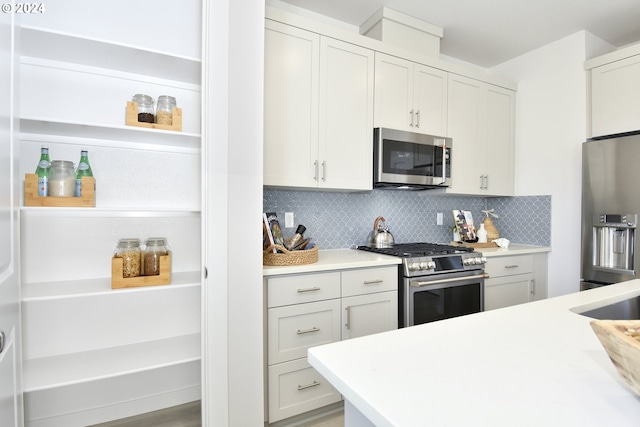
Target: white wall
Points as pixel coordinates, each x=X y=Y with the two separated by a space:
x=232 y=127
x=550 y=128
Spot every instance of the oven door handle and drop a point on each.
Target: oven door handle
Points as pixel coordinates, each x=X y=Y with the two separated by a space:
x=451 y=280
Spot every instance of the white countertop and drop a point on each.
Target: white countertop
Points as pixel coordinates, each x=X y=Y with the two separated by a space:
x=337 y=259
x=535 y=364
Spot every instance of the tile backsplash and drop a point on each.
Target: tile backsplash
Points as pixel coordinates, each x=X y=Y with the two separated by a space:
x=343 y=220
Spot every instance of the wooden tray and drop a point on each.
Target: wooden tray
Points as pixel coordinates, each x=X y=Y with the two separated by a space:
x=475 y=245
x=132 y=119
x=119 y=282
x=87 y=200
x=623 y=350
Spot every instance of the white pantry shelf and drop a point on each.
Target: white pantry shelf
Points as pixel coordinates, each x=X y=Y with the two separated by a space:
x=66 y=47
x=63 y=370
x=125 y=212
x=100 y=286
x=43 y=129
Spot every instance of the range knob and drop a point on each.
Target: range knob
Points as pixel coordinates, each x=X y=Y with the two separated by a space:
x=424 y=265
x=483 y=260
x=431 y=265
x=414 y=266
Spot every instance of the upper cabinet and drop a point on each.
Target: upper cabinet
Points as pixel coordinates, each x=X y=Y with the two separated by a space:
x=615 y=92
x=410 y=96
x=481 y=122
x=318 y=128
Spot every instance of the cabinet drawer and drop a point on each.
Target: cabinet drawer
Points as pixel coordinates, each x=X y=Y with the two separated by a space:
x=369 y=280
x=289 y=290
x=509 y=265
x=295 y=328
x=295 y=387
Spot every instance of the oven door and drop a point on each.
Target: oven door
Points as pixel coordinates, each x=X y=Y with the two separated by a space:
x=430 y=298
x=411 y=159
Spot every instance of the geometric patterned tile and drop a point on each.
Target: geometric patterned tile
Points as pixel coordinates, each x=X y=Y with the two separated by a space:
x=344 y=220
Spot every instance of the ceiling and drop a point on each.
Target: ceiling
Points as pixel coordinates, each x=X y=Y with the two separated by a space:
x=490 y=32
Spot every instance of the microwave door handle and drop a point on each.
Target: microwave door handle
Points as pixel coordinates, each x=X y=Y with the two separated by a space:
x=444 y=163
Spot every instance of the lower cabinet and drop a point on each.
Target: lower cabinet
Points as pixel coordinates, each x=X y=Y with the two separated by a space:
x=514 y=279
x=307 y=310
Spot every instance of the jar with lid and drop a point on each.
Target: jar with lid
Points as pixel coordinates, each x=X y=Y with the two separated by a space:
x=155 y=247
x=129 y=251
x=145 y=108
x=62 y=179
x=164 y=110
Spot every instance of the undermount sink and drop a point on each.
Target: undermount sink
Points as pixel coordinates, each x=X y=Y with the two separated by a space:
x=628 y=309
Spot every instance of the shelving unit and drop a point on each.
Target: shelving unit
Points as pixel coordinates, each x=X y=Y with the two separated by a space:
x=90 y=350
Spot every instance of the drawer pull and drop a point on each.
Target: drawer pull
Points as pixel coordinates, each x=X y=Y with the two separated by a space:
x=372 y=282
x=306 y=331
x=315 y=288
x=512 y=266
x=313 y=384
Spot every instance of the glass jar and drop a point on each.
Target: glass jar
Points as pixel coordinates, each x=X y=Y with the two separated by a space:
x=62 y=179
x=129 y=251
x=145 y=108
x=155 y=248
x=164 y=110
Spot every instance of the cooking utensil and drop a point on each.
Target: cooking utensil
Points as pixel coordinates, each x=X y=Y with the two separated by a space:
x=380 y=236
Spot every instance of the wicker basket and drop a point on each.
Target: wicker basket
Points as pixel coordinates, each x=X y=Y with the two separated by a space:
x=287 y=257
x=623 y=350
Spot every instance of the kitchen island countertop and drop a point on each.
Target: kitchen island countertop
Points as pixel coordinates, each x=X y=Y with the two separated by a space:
x=534 y=364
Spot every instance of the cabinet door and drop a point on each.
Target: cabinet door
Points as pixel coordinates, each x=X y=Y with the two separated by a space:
x=508 y=290
x=290 y=106
x=346 y=116
x=498 y=150
x=430 y=100
x=615 y=90
x=465 y=123
x=393 y=93
x=369 y=314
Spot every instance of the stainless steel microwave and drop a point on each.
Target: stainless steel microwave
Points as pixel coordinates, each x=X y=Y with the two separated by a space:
x=410 y=160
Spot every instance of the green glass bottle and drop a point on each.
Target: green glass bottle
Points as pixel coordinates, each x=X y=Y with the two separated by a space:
x=42 y=171
x=84 y=169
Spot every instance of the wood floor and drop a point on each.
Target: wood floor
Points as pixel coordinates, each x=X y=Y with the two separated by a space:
x=188 y=415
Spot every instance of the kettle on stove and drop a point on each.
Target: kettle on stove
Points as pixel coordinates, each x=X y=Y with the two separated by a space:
x=380 y=236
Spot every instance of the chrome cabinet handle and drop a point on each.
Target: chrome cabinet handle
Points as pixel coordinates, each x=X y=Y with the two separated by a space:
x=486 y=182
x=315 y=288
x=411 y=112
x=313 y=384
x=324 y=171
x=315 y=170
x=371 y=282
x=348 y=317
x=512 y=266
x=2 y=340
x=417 y=118
x=482 y=182
x=306 y=331
x=532 y=286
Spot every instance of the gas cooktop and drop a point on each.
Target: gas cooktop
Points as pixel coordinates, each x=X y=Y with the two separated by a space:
x=410 y=250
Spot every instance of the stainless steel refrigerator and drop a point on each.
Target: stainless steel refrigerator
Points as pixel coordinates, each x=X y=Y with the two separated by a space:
x=610 y=210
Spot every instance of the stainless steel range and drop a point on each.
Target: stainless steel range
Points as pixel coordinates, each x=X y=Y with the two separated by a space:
x=436 y=281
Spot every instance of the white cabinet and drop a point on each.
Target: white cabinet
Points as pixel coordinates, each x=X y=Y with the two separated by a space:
x=481 y=122
x=318 y=111
x=514 y=279
x=302 y=311
x=89 y=350
x=369 y=301
x=615 y=97
x=410 y=96
x=307 y=310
